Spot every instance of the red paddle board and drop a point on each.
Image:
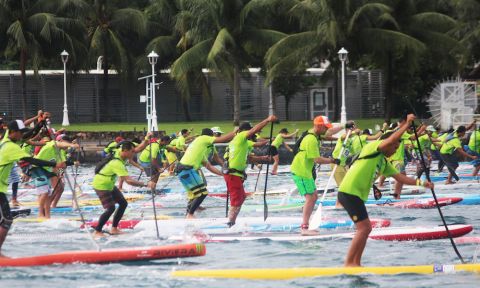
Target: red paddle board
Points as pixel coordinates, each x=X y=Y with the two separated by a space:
x=423 y=203
x=123 y=224
x=109 y=255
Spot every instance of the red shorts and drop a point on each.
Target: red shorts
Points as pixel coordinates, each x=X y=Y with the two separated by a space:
x=235 y=189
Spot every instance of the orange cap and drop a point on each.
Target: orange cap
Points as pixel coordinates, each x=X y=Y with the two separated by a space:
x=322 y=120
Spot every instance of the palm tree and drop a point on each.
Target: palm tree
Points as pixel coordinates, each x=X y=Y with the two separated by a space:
x=33 y=31
x=223 y=36
x=366 y=28
x=110 y=31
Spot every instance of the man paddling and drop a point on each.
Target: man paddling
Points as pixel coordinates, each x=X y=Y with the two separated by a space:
x=303 y=166
x=10 y=153
x=188 y=168
x=104 y=186
x=355 y=187
x=234 y=174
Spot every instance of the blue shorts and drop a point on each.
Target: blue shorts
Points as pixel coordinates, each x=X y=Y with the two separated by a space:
x=14 y=177
x=149 y=170
x=475 y=162
x=41 y=181
x=193 y=182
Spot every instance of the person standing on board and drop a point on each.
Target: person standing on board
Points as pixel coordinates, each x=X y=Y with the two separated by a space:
x=188 y=168
x=234 y=171
x=106 y=173
x=303 y=165
x=355 y=187
x=10 y=153
x=279 y=141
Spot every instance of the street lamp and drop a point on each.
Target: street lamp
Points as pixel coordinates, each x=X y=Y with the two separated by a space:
x=64 y=56
x=342 y=54
x=152 y=59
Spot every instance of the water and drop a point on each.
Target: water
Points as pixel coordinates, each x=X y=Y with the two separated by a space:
x=27 y=239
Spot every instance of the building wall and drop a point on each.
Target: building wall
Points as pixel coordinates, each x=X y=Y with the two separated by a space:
x=364 y=98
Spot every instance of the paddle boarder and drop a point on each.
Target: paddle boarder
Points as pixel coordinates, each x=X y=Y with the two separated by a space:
x=279 y=141
x=104 y=185
x=303 y=165
x=10 y=153
x=188 y=168
x=355 y=187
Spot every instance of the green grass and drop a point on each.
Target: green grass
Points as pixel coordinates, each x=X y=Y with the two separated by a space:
x=226 y=126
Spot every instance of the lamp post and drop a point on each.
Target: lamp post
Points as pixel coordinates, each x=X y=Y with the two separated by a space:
x=152 y=59
x=342 y=54
x=64 y=56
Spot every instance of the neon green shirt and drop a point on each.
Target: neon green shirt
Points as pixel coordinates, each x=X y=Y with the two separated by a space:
x=110 y=147
x=10 y=153
x=180 y=143
x=105 y=180
x=198 y=151
x=358 y=141
x=145 y=155
x=433 y=147
x=474 y=142
x=399 y=155
x=278 y=141
x=238 y=150
x=49 y=153
x=362 y=174
x=303 y=162
x=452 y=143
x=346 y=150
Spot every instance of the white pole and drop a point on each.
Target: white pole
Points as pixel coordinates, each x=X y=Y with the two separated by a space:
x=65 y=121
x=148 y=108
x=154 y=109
x=343 y=113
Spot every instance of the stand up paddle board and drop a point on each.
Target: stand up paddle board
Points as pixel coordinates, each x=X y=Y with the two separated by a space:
x=302 y=272
x=387 y=234
x=109 y=255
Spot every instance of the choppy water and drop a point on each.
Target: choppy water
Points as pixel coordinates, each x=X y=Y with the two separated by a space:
x=55 y=236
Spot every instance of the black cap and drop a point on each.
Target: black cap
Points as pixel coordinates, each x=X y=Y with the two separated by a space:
x=245 y=126
x=17 y=125
x=207 y=131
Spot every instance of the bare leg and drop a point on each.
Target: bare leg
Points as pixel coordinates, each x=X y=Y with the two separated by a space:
x=3 y=235
x=310 y=200
x=359 y=242
x=398 y=188
x=41 y=205
x=232 y=214
x=276 y=160
x=381 y=180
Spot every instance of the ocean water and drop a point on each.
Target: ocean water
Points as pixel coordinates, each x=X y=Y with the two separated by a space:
x=63 y=234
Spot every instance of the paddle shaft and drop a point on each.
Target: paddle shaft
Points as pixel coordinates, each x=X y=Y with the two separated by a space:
x=317 y=216
x=74 y=196
x=153 y=191
x=265 y=206
x=450 y=169
x=427 y=174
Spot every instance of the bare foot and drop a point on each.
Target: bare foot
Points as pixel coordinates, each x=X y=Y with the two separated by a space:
x=201 y=208
x=3 y=255
x=15 y=203
x=306 y=232
x=190 y=216
x=97 y=235
x=116 y=231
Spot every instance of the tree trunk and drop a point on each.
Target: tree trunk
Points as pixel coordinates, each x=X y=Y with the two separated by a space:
x=388 y=88
x=23 y=64
x=287 y=111
x=186 y=110
x=236 y=96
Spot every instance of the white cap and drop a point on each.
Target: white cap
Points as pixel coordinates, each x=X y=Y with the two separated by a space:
x=431 y=128
x=216 y=129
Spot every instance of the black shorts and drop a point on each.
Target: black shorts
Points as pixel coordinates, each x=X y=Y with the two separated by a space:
x=272 y=151
x=354 y=206
x=451 y=161
x=110 y=198
x=5 y=213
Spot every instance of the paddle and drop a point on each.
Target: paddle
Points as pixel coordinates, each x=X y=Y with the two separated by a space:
x=75 y=199
x=140 y=176
x=258 y=177
x=265 y=206
x=153 y=190
x=316 y=220
x=427 y=174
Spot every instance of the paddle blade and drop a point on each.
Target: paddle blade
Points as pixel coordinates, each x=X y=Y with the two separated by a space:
x=316 y=219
